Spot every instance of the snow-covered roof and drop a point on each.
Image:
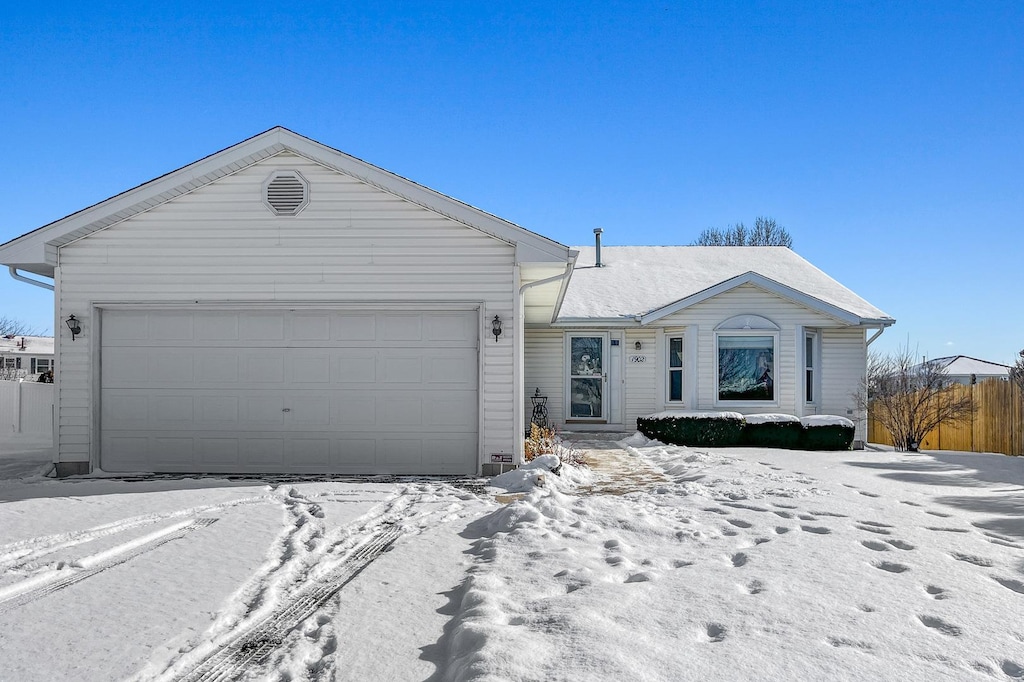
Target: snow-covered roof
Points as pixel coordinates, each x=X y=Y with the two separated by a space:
x=956 y=365
x=26 y=345
x=654 y=281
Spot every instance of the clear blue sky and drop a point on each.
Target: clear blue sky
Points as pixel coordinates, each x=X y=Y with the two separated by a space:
x=887 y=137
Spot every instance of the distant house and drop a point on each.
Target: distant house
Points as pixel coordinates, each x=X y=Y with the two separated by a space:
x=967 y=370
x=24 y=357
x=280 y=306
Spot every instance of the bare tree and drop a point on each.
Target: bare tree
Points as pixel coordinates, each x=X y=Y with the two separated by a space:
x=1017 y=372
x=910 y=399
x=12 y=327
x=766 y=232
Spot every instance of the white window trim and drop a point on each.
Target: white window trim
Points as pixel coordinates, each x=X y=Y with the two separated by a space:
x=775 y=367
x=814 y=334
x=666 y=369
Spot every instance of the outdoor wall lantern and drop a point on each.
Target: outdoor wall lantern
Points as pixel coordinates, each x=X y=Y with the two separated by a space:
x=496 y=327
x=74 y=326
x=638 y=345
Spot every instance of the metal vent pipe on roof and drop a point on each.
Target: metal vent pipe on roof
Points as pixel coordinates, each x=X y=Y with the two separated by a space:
x=597 y=247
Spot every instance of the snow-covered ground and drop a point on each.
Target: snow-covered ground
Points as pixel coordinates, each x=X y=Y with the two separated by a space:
x=663 y=563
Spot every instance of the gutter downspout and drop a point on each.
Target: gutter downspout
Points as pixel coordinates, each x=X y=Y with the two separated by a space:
x=518 y=378
x=875 y=336
x=22 y=278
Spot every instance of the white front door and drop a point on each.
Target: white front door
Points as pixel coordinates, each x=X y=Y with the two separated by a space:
x=587 y=377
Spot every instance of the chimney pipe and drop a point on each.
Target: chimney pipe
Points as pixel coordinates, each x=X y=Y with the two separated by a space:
x=597 y=246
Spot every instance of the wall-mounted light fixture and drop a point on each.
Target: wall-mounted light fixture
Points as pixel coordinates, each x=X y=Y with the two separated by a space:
x=638 y=345
x=496 y=327
x=74 y=325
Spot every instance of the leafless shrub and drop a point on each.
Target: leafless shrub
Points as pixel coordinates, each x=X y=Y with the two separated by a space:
x=911 y=398
x=545 y=441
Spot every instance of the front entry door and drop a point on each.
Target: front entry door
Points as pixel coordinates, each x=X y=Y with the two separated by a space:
x=587 y=378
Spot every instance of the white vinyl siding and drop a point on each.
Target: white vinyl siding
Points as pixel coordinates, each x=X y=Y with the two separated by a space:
x=544 y=369
x=843 y=364
x=353 y=244
x=643 y=390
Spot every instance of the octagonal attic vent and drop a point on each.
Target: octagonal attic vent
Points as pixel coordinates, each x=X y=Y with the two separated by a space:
x=286 y=192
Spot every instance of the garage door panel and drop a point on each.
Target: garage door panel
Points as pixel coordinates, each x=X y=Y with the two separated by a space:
x=384 y=392
x=216 y=326
x=353 y=327
x=355 y=366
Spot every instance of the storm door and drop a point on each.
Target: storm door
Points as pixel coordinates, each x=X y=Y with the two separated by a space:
x=587 y=374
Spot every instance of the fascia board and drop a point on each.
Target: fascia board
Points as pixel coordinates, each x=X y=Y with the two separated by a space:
x=762 y=282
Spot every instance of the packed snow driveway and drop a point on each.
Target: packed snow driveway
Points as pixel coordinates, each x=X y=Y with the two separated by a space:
x=189 y=580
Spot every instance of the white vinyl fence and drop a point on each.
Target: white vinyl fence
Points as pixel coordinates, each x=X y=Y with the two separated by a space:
x=26 y=407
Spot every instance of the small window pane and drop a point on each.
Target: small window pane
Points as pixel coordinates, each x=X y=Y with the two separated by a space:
x=586 y=398
x=675 y=385
x=675 y=352
x=745 y=368
x=809 y=352
x=586 y=355
x=809 y=388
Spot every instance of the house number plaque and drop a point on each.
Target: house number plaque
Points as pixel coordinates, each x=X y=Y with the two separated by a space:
x=638 y=358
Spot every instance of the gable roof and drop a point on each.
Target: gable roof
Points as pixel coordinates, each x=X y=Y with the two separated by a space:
x=36 y=251
x=957 y=365
x=650 y=282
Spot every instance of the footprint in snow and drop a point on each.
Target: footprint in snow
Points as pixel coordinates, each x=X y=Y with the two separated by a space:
x=781 y=530
x=832 y=514
x=876 y=546
x=716 y=510
x=874 y=529
x=737 y=505
x=876 y=524
x=940 y=625
x=912 y=504
x=900 y=544
x=839 y=642
x=740 y=523
x=739 y=559
x=679 y=563
x=1010 y=584
x=1013 y=670
x=715 y=632
x=761 y=541
x=867 y=494
x=807 y=517
x=641 y=577
x=937 y=592
x=866 y=609
x=729 y=533
x=941 y=515
x=754 y=587
x=891 y=567
x=784 y=506
x=784 y=514
x=971 y=559
x=819 y=530
x=941 y=529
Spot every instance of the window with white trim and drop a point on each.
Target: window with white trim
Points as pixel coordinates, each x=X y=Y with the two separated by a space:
x=747 y=362
x=40 y=365
x=810 y=366
x=675 y=369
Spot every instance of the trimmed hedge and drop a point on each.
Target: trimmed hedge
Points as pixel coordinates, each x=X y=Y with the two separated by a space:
x=718 y=429
x=710 y=431
x=826 y=437
x=785 y=435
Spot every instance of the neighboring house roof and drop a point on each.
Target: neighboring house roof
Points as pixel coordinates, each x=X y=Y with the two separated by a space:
x=36 y=251
x=957 y=365
x=26 y=345
x=651 y=282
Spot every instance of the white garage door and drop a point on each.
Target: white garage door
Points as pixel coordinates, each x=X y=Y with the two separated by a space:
x=289 y=391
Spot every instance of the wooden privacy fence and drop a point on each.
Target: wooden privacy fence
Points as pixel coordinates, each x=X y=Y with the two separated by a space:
x=997 y=426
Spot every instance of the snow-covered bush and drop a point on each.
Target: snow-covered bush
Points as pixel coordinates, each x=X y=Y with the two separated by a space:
x=826 y=432
x=724 y=429
x=772 y=431
x=703 y=429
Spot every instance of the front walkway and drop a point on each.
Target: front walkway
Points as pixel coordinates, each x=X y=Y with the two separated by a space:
x=616 y=472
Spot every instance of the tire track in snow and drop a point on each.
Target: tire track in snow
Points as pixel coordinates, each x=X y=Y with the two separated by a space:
x=16 y=555
x=256 y=642
x=13 y=597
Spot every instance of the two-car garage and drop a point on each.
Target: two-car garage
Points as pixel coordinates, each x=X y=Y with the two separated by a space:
x=351 y=391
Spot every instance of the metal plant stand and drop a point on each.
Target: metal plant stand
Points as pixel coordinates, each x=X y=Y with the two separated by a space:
x=540 y=409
